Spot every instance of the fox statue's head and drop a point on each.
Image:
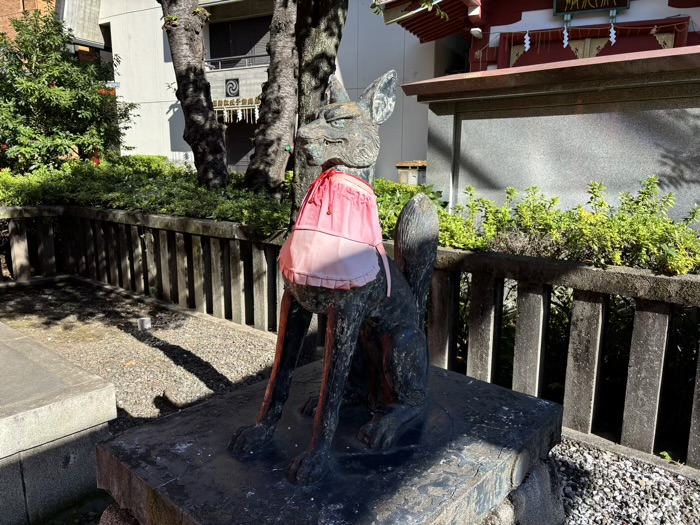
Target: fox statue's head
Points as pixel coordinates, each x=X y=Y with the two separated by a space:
x=345 y=134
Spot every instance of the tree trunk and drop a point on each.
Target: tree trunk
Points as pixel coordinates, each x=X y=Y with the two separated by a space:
x=274 y=136
x=183 y=23
x=319 y=30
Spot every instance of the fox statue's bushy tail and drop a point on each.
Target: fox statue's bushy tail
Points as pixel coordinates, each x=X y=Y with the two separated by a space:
x=416 y=240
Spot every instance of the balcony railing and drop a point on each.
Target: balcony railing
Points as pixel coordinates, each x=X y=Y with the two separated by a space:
x=237 y=62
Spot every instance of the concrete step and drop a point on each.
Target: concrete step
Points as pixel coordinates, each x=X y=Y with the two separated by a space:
x=52 y=414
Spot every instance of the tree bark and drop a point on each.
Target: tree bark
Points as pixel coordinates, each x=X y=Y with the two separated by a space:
x=183 y=23
x=274 y=137
x=320 y=26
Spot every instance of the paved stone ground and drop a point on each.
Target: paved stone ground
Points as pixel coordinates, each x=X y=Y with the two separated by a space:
x=185 y=359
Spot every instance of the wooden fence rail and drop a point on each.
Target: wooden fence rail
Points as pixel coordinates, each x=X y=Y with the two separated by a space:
x=224 y=270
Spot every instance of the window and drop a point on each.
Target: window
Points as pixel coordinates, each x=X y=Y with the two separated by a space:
x=240 y=43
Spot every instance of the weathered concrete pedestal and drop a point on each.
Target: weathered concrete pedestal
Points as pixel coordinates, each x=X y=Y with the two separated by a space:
x=478 y=444
x=51 y=416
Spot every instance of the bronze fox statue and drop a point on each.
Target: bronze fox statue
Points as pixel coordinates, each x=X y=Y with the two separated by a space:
x=376 y=350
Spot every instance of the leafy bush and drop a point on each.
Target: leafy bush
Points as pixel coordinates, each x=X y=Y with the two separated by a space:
x=144 y=184
x=392 y=197
x=638 y=233
x=52 y=106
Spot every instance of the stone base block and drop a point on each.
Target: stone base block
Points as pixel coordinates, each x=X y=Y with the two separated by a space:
x=12 y=508
x=478 y=442
x=536 y=501
x=36 y=483
x=52 y=414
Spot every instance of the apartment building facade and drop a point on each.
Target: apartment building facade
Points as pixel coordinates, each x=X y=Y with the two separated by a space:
x=81 y=16
x=236 y=61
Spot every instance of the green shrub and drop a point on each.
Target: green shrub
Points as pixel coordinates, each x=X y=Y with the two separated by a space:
x=638 y=233
x=392 y=197
x=144 y=184
x=53 y=106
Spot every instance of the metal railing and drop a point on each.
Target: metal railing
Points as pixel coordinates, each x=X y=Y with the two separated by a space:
x=237 y=62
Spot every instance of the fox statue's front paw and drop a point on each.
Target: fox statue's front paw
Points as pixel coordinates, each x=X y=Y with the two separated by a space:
x=308 y=467
x=249 y=440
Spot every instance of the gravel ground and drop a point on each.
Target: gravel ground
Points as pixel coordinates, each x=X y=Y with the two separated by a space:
x=185 y=359
x=600 y=487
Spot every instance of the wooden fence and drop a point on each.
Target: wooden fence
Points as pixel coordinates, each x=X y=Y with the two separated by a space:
x=219 y=268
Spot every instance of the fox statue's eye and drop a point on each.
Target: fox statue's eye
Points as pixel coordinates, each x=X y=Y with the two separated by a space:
x=340 y=123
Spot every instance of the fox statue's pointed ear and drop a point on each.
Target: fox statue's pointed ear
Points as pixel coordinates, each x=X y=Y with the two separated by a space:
x=336 y=91
x=380 y=97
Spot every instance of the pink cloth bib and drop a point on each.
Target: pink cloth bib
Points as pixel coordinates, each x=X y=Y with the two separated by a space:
x=337 y=235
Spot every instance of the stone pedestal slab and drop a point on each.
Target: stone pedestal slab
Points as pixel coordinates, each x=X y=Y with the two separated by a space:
x=478 y=442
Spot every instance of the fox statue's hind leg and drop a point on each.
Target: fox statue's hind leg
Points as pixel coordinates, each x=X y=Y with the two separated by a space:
x=403 y=373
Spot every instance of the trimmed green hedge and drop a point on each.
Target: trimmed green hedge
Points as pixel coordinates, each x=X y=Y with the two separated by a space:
x=638 y=233
x=145 y=184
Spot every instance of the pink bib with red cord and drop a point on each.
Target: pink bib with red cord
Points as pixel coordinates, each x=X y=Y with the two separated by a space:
x=337 y=236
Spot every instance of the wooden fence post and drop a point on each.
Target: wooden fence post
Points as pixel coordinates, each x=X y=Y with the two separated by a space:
x=137 y=259
x=19 y=251
x=80 y=246
x=236 y=284
x=485 y=314
x=443 y=317
x=101 y=255
x=113 y=248
x=198 y=274
x=164 y=253
x=124 y=249
x=587 y=317
x=693 y=458
x=149 y=248
x=217 y=279
x=259 y=287
x=47 y=248
x=271 y=253
x=68 y=245
x=181 y=263
x=89 y=246
x=530 y=328
x=649 y=338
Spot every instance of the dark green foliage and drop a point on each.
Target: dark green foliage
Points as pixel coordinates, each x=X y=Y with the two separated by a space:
x=144 y=184
x=52 y=106
x=638 y=233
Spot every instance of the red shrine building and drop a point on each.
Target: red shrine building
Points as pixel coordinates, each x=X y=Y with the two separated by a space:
x=497 y=30
x=558 y=94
